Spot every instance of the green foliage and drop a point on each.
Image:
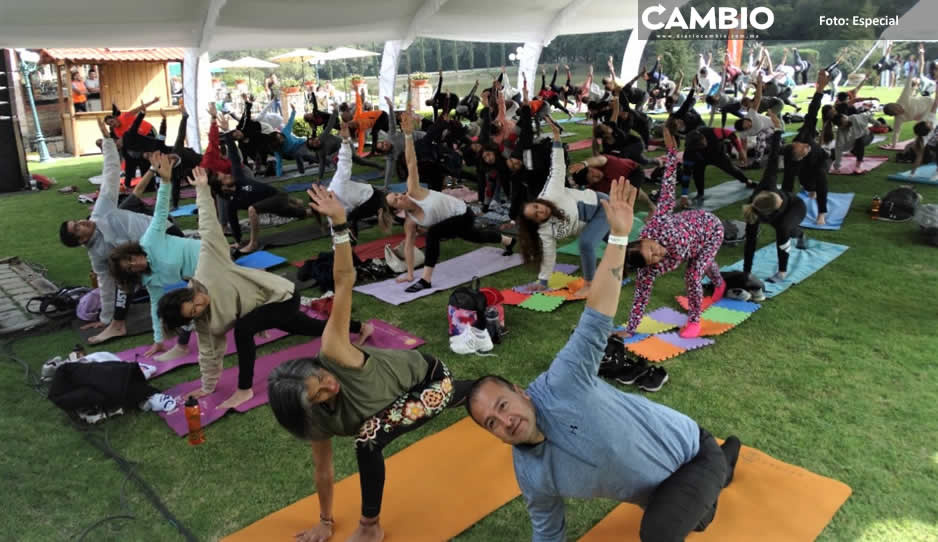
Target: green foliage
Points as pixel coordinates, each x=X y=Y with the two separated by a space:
x=301 y=128
x=420 y=75
x=676 y=55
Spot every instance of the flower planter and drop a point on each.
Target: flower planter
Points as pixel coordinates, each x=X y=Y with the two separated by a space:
x=419 y=82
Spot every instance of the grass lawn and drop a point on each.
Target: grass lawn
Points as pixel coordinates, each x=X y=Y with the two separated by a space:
x=837 y=375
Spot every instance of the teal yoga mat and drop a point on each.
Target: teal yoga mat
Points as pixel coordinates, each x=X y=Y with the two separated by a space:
x=923 y=175
x=574 y=247
x=838 y=205
x=802 y=263
x=185 y=210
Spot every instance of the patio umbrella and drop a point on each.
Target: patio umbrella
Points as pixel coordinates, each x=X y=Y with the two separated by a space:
x=299 y=55
x=345 y=53
x=251 y=62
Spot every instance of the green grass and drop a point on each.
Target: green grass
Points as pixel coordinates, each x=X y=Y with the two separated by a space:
x=837 y=375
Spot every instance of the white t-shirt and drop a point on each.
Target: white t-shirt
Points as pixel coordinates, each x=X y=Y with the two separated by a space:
x=760 y=122
x=437 y=207
x=350 y=193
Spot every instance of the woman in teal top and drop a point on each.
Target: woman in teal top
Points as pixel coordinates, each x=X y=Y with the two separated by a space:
x=158 y=260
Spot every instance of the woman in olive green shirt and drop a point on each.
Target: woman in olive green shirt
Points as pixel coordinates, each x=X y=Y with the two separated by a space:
x=372 y=394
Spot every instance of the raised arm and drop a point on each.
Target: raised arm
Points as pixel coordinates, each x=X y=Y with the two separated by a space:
x=336 y=343
x=343 y=169
x=214 y=246
x=666 y=194
x=110 y=185
x=156 y=231
x=757 y=99
x=414 y=190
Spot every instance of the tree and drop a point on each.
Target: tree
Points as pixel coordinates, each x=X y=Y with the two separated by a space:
x=456 y=56
x=439 y=55
x=422 y=56
x=501 y=54
x=470 y=47
x=676 y=55
x=488 y=54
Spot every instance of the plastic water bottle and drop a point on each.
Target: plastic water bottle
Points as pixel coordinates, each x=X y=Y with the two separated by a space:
x=194 y=419
x=492 y=324
x=875 y=208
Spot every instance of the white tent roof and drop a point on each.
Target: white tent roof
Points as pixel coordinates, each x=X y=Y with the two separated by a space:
x=918 y=24
x=213 y=25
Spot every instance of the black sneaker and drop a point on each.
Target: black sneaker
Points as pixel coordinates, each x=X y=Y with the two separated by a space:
x=653 y=379
x=631 y=373
x=609 y=369
x=730 y=448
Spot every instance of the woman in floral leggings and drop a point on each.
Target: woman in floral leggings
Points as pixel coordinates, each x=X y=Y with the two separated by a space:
x=670 y=239
x=372 y=394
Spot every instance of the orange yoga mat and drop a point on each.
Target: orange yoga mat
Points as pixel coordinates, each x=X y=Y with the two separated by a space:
x=768 y=501
x=434 y=490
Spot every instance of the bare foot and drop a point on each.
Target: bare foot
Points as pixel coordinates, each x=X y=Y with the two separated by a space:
x=582 y=292
x=821 y=219
x=176 y=351
x=115 y=329
x=93 y=325
x=371 y=533
x=365 y=333
x=248 y=248
x=237 y=398
x=198 y=393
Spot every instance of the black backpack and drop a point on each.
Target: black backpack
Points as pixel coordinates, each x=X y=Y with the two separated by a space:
x=734 y=232
x=899 y=205
x=57 y=304
x=470 y=298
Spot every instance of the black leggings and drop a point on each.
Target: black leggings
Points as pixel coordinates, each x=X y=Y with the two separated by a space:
x=859 y=146
x=687 y=500
x=697 y=163
x=462 y=227
x=366 y=210
x=385 y=426
x=787 y=227
x=281 y=204
x=283 y=315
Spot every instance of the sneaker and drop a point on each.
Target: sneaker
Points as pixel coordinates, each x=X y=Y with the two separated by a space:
x=738 y=294
x=482 y=339
x=630 y=374
x=757 y=295
x=471 y=341
x=653 y=379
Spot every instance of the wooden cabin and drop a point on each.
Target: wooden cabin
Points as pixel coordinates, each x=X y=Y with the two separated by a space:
x=127 y=77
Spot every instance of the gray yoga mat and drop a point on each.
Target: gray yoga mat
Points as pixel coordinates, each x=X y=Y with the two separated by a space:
x=294 y=236
x=138 y=322
x=723 y=194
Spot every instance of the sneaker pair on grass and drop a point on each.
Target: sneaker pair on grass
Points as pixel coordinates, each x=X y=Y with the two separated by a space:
x=618 y=366
x=471 y=341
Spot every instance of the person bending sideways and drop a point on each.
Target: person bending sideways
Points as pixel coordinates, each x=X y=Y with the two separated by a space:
x=157 y=261
x=372 y=394
x=908 y=108
x=360 y=200
x=670 y=239
x=558 y=213
x=575 y=436
x=106 y=228
x=777 y=208
x=223 y=295
x=806 y=159
x=444 y=216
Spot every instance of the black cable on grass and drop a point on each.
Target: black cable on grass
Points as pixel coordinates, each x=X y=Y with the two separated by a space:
x=103 y=444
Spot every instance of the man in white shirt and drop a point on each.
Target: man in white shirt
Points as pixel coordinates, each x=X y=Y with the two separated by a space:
x=909 y=107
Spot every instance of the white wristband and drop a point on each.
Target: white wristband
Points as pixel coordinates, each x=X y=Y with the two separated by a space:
x=340 y=238
x=617 y=240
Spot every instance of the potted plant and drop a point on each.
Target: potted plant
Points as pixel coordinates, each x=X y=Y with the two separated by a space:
x=419 y=79
x=290 y=86
x=357 y=80
x=240 y=81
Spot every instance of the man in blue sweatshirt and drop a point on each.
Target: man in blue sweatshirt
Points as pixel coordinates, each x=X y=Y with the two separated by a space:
x=574 y=435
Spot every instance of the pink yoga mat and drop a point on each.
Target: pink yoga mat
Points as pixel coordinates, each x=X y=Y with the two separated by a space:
x=188 y=193
x=580 y=145
x=848 y=164
x=463 y=193
x=385 y=336
x=897 y=147
x=375 y=249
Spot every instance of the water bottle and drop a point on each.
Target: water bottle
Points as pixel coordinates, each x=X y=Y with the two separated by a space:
x=194 y=419
x=875 y=208
x=492 y=324
x=32 y=185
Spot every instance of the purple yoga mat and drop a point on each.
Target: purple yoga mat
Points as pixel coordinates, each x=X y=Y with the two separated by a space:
x=667 y=315
x=385 y=336
x=188 y=193
x=459 y=270
x=680 y=342
x=135 y=355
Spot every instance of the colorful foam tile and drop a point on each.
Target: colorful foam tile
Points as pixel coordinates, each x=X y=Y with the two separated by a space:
x=512 y=297
x=530 y=288
x=655 y=349
x=651 y=326
x=667 y=315
x=559 y=280
x=737 y=305
x=635 y=337
x=724 y=315
x=709 y=327
x=541 y=303
x=681 y=342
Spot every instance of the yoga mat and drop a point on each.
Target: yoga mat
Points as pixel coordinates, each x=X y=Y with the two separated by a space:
x=900 y=146
x=580 y=145
x=185 y=210
x=138 y=322
x=802 y=263
x=463 y=193
x=732 y=304
x=385 y=336
x=650 y=325
x=296 y=187
x=848 y=164
x=654 y=349
x=559 y=280
x=923 y=175
x=295 y=236
x=401 y=187
x=420 y=480
x=838 y=205
x=478 y=263
x=187 y=193
x=540 y=302
x=260 y=259
x=637 y=224
x=135 y=355
x=291 y=272
x=512 y=297
x=727 y=316
x=558 y=268
x=723 y=194
x=768 y=501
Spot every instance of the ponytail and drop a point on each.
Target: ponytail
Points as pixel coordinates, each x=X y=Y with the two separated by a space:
x=827 y=135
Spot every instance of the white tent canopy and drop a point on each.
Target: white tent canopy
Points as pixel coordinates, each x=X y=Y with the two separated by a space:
x=251 y=62
x=215 y=25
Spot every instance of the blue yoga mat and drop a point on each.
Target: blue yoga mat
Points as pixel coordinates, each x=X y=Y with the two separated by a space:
x=297 y=187
x=923 y=175
x=260 y=260
x=838 y=205
x=801 y=263
x=185 y=210
x=401 y=187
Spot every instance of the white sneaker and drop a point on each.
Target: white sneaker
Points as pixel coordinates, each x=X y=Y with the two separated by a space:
x=482 y=339
x=464 y=343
